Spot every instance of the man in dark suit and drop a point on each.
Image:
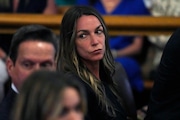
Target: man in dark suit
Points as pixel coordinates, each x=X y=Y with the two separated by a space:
x=33 y=47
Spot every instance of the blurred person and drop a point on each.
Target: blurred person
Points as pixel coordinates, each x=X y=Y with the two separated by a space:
x=2 y=54
x=85 y=54
x=3 y=78
x=33 y=47
x=3 y=73
x=165 y=95
x=49 y=95
x=28 y=6
x=160 y=8
x=47 y=7
x=64 y=5
x=65 y=2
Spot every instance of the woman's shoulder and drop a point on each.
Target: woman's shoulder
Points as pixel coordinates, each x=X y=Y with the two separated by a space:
x=90 y=94
x=74 y=76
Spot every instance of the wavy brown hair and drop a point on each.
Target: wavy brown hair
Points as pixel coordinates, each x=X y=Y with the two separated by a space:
x=70 y=61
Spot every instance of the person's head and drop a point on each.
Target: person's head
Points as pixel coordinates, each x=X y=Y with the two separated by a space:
x=83 y=38
x=84 y=42
x=50 y=95
x=32 y=47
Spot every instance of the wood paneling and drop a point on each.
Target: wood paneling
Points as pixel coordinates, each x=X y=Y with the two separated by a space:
x=117 y=25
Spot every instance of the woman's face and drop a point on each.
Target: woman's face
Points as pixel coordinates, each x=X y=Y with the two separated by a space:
x=90 y=38
x=71 y=105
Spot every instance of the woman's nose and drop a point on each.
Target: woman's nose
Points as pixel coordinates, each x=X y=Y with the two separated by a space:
x=94 y=40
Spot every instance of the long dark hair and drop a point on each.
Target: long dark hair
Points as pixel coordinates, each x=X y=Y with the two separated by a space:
x=68 y=59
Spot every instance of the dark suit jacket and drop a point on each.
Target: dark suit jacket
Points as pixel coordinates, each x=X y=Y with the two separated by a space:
x=165 y=95
x=7 y=105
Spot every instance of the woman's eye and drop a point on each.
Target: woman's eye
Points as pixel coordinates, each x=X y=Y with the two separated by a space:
x=82 y=36
x=99 y=31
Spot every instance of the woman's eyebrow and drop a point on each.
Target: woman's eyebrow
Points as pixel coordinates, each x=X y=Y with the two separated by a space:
x=87 y=30
x=82 y=31
x=99 y=26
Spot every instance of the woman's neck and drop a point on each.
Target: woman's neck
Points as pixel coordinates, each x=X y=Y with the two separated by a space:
x=93 y=68
x=110 y=5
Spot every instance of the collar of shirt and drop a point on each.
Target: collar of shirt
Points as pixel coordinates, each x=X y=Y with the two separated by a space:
x=14 y=88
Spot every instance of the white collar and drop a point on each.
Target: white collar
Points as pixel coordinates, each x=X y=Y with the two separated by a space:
x=14 y=88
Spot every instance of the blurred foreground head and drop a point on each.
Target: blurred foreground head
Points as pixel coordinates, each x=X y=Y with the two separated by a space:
x=50 y=95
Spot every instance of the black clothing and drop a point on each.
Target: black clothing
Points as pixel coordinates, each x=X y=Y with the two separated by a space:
x=95 y=110
x=6 y=105
x=165 y=96
x=24 y=6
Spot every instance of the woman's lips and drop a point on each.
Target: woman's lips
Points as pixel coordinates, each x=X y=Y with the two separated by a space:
x=98 y=51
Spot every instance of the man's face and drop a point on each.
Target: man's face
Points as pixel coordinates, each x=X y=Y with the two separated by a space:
x=31 y=56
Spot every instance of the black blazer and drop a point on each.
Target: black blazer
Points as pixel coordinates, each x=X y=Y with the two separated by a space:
x=7 y=105
x=165 y=95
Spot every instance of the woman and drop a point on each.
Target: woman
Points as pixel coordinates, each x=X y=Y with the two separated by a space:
x=127 y=50
x=48 y=95
x=84 y=53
